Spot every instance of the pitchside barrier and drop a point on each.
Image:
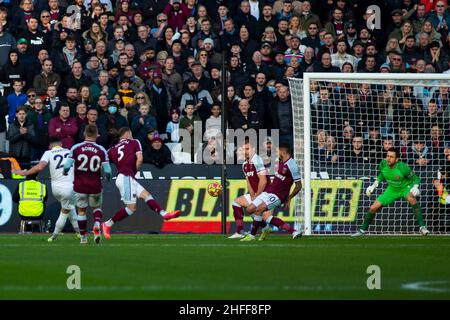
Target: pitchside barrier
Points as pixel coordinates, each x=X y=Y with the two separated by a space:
x=338 y=201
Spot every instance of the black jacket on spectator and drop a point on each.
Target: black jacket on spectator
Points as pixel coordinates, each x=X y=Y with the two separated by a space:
x=238 y=78
x=159 y=158
x=36 y=41
x=251 y=121
x=72 y=82
x=3 y=113
x=249 y=21
x=11 y=72
x=161 y=104
x=103 y=138
x=248 y=48
x=20 y=145
x=150 y=9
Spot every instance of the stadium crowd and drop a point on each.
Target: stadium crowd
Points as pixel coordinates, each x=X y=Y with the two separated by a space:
x=156 y=65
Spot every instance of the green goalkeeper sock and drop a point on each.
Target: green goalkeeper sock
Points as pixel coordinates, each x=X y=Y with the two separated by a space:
x=368 y=218
x=417 y=209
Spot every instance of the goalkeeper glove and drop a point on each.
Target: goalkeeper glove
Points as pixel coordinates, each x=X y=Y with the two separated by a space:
x=371 y=189
x=415 y=190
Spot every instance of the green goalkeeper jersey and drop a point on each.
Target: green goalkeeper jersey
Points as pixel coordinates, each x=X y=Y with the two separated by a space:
x=398 y=177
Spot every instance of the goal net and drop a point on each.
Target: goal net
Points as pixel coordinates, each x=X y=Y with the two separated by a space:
x=343 y=125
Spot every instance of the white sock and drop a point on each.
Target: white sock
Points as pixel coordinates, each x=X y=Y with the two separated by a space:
x=60 y=223
x=109 y=223
x=73 y=218
x=269 y=219
x=257 y=218
x=163 y=212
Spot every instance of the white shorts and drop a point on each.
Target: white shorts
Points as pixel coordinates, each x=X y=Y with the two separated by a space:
x=83 y=200
x=248 y=198
x=64 y=196
x=271 y=200
x=129 y=189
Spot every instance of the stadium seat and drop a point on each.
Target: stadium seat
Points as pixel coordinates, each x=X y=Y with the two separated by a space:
x=174 y=147
x=24 y=223
x=181 y=158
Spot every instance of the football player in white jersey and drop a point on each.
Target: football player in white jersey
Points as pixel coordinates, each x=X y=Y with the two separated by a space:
x=62 y=185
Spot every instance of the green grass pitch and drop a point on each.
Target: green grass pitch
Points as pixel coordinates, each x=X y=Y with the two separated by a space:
x=214 y=267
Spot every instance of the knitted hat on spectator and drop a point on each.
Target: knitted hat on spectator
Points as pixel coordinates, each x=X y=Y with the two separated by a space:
x=156 y=139
x=208 y=40
x=156 y=73
x=191 y=79
x=176 y=1
x=266 y=44
x=22 y=40
x=385 y=66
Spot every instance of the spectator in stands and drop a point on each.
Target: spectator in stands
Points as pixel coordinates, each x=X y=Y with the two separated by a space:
x=213 y=125
x=420 y=154
x=333 y=155
x=210 y=153
x=81 y=114
x=437 y=57
x=102 y=86
x=36 y=39
x=12 y=70
x=357 y=153
x=177 y=13
x=64 y=127
x=405 y=142
x=187 y=122
x=373 y=144
x=324 y=65
x=245 y=118
x=21 y=137
x=45 y=78
x=143 y=123
x=173 y=126
x=52 y=102
x=92 y=117
x=39 y=117
x=76 y=78
x=15 y=99
x=201 y=98
x=436 y=143
x=157 y=153
x=345 y=141
x=320 y=146
x=282 y=114
x=341 y=56
x=160 y=98
x=307 y=17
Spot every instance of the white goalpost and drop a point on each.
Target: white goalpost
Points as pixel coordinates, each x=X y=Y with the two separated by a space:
x=343 y=125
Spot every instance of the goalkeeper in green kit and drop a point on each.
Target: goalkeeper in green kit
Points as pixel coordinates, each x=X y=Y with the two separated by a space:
x=402 y=183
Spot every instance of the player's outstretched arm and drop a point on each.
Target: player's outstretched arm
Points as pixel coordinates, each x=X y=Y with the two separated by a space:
x=36 y=169
x=261 y=184
x=139 y=160
x=297 y=188
x=68 y=164
x=107 y=170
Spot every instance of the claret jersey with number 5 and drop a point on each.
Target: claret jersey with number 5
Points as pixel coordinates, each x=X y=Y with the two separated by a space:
x=123 y=155
x=55 y=158
x=89 y=158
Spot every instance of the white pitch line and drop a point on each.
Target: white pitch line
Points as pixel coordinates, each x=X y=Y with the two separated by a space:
x=183 y=288
x=427 y=286
x=232 y=244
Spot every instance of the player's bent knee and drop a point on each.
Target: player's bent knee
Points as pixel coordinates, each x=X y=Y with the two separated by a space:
x=412 y=200
x=251 y=209
x=132 y=208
